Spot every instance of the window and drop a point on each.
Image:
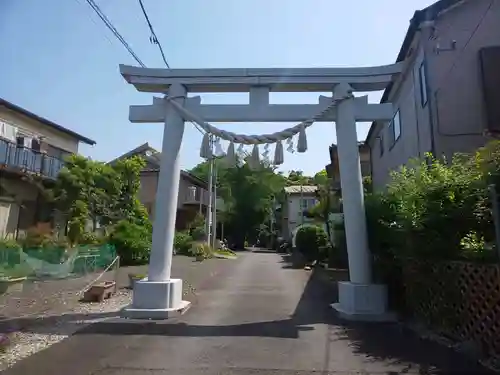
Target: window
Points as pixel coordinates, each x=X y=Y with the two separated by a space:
x=396 y=126
x=35 y=145
x=423 y=84
x=20 y=141
x=307 y=203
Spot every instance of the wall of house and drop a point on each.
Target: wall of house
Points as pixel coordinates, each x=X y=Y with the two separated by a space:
x=147 y=192
x=293 y=212
x=458 y=112
x=333 y=171
x=17 y=207
x=33 y=128
x=453 y=117
x=388 y=153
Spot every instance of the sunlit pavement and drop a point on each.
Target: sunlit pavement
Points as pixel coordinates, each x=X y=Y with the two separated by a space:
x=255 y=316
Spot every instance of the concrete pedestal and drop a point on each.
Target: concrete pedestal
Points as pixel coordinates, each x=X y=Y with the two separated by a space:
x=156 y=300
x=363 y=302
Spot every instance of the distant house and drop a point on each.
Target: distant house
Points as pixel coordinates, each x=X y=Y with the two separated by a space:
x=30 y=146
x=447 y=99
x=332 y=169
x=193 y=192
x=298 y=199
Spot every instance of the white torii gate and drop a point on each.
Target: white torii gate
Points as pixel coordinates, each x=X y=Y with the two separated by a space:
x=159 y=295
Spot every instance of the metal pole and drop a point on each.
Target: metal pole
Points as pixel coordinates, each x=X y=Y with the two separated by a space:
x=214 y=214
x=208 y=223
x=496 y=215
x=301 y=208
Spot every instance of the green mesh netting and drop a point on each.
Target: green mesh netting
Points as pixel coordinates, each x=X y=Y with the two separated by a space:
x=55 y=262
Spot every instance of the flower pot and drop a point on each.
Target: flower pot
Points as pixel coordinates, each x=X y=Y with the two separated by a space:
x=100 y=292
x=12 y=284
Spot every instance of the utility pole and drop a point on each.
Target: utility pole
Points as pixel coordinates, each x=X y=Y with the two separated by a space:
x=301 y=204
x=214 y=207
x=208 y=220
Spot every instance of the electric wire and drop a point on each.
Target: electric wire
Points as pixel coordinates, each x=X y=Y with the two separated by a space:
x=115 y=32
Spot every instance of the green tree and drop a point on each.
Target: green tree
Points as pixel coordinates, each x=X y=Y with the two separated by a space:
x=248 y=195
x=90 y=190
x=298 y=178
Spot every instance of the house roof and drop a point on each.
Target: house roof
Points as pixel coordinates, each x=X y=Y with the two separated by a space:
x=301 y=189
x=154 y=159
x=62 y=129
x=429 y=13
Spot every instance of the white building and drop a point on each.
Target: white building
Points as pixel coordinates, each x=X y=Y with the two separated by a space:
x=298 y=199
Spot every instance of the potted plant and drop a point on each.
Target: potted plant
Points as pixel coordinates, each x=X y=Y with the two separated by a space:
x=11 y=283
x=133 y=277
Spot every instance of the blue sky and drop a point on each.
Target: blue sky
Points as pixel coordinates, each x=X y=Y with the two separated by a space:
x=61 y=62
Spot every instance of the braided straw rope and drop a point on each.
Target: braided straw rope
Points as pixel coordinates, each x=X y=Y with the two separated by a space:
x=258 y=139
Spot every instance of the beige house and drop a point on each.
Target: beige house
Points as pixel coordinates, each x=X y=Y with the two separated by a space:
x=299 y=199
x=332 y=169
x=30 y=145
x=193 y=192
x=447 y=99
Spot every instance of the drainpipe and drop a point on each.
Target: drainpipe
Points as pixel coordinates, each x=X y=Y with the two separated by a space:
x=427 y=26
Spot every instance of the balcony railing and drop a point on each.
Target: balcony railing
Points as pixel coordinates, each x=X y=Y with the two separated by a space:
x=198 y=195
x=195 y=195
x=28 y=160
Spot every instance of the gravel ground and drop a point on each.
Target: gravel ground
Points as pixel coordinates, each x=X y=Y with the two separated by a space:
x=42 y=331
x=46 y=312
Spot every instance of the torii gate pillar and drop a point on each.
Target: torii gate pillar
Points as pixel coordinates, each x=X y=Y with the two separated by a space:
x=158 y=296
x=359 y=299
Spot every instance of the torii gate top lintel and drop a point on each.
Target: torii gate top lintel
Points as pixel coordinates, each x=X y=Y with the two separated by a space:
x=277 y=79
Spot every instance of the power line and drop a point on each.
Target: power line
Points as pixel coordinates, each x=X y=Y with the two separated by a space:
x=113 y=29
x=153 y=38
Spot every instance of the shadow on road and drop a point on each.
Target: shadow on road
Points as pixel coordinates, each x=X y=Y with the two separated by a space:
x=389 y=343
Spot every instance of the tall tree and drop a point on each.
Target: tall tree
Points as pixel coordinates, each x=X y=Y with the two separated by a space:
x=248 y=194
x=297 y=178
x=90 y=190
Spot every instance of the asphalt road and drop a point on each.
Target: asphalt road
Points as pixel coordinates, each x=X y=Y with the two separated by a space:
x=257 y=316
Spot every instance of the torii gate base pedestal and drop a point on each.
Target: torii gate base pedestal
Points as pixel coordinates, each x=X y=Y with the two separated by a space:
x=363 y=302
x=156 y=300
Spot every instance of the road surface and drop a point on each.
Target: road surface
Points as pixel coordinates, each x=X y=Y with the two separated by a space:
x=258 y=316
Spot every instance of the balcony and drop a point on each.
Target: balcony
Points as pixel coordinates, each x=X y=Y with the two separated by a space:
x=23 y=159
x=194 y=195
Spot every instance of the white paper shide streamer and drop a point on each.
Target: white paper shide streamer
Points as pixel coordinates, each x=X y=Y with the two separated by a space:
x=233 y=158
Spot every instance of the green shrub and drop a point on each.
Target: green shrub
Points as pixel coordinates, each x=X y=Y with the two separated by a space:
x=9 y=252
x=311 y=241
x=182 y=243
x=8 y=244
x=202 y=250
x=198 y=233
x=132 y=242
x=434 y=210
x=91 y=238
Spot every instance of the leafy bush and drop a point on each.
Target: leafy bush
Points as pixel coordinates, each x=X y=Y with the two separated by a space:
x=8 y=244
x=435 y=210
x=311 y=242
x=91 y=238
x=182 y=243
x=198 y=233
x=132 y=242
x=202 y=250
